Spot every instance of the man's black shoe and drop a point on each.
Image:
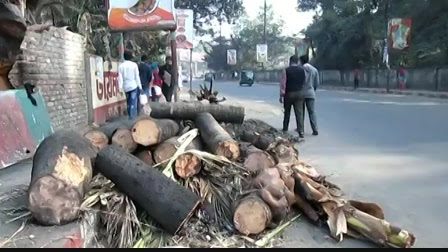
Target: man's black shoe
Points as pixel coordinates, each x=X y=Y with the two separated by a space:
x=315 y=133
x=302 y=135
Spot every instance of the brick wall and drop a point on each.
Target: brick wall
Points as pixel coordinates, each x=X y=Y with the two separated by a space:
x=54 y=61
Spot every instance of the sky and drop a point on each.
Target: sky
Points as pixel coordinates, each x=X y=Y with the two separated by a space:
x=295 y=21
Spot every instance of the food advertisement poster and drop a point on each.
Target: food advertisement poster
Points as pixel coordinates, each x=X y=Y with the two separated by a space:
x=125 y=15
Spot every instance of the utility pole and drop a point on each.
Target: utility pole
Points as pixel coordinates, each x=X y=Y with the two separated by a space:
x=386 y=46
x=265 y=21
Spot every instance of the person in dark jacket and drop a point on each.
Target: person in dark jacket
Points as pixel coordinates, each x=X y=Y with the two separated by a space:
x=293 y=80
x=167 y=90
x=145 y=71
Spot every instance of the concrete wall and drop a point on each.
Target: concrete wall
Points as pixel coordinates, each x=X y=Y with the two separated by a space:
x=54 y=61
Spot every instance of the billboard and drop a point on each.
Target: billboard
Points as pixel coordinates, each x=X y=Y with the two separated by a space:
x=125 y=15
x=262 y=53
x=400 y=33
x=184 y=32
x=231 y=57
x=106 y=99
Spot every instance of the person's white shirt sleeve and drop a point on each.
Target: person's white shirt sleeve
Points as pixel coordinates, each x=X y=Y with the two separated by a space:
x=137 y=77
x=120 y=78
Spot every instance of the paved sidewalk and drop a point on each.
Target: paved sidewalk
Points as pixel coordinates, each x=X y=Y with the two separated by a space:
x=422 y=93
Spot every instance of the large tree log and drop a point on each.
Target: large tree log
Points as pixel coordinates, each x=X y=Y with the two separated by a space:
x=150 y=132
x=257 y=140
x=217 y=140
x=165 y=150
x=168 y=203
x=145 y=155
x=255 y=159
x=98 y=139
x=62 y=171
x=188 y=165
x=111 y=128
x=252 y=216
x=188 y=111
x=123 y=139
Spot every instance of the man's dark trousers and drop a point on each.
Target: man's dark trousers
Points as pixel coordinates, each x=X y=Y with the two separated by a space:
x=309 y=104
x=291 y=100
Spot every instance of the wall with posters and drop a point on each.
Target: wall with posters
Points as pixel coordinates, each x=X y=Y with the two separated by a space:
x=105 y=99
x=125 y=15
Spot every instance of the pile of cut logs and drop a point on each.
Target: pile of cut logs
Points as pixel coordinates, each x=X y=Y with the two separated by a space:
x=126 y=152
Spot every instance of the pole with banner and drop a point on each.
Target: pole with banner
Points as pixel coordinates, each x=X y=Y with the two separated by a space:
x=262 y=53
x=231 y=57
x=185 y=35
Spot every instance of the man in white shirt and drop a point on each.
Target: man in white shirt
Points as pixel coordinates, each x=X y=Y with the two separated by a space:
x=129 y=83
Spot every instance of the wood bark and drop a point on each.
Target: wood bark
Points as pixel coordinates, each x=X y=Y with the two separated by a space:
x=188 y=165
x=168 y=203
x=61 y=174
x=188 y=111
x=257 y=140
x=254 y=159
x=165 y=150
x=252 y=216
x=145 y=155
x=98 y=139
x=123 y=139
x=111 y=128
x=217 y=140
x=150 y=132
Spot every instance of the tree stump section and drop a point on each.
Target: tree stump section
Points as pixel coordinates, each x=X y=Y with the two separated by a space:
x=123 y=139
x=252 y=216
x=189 y=165
x=111 y=128
x=165 y=150
x=145 y=156
x=151 y=132
x=188 y=111
x=168 y=203
x=255 y=159
x=61 y=174
x=257 y=140
x=98 y=139
x=217 y=140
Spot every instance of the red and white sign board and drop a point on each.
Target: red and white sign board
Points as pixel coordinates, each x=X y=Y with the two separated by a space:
x=125 y=15
x=185 y=30
x=107 y=101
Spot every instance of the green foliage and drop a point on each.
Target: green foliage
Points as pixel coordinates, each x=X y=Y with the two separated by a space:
x=247 y=34
x=348 y=33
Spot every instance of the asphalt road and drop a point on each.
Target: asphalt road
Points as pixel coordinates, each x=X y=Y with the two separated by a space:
x=388 y=149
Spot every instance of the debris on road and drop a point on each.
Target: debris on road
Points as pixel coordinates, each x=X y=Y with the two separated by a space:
x=169 y=182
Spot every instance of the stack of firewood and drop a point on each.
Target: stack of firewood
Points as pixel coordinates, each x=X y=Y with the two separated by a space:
x=165 y=164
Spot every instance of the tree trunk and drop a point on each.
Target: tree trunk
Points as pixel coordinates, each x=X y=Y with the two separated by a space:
x=145 y=155
x=188 y=111
x=252 y=216
x=188 y=165
x=61 y=174
x=257 y=140
x=255 y=159
x=306 y=208
x=98 y=139
x=123 y=139
x=165 y=150
x=168 y=203
x=111 y=128
x=150 y=132
x=217 y=140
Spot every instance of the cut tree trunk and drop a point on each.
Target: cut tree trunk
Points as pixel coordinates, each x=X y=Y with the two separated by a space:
x=306 y=208
x=61 y=174
x=111 y=128
x=165 y=150
x=98 y=139
x=255 y=159
x=123 y=139
x=188 y=111
x=252 y=216
x=217 y=140
x=257 y=140
x=145 y=155
x=150 y=132
x=168 y=203
x=188 y=165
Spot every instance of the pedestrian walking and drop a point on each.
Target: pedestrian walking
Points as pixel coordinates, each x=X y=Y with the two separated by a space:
x=293 y=80
x=165 y=73
x=129 y=83
x=308 y=92
x=145 y=77
x=401 y=78
x=357 y=75
x=156 y=84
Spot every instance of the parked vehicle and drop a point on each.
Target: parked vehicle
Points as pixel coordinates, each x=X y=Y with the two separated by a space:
x=247 y=78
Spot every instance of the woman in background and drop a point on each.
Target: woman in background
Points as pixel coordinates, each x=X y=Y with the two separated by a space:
x=156 y=84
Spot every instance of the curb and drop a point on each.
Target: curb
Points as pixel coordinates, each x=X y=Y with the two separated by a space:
x=396 y=92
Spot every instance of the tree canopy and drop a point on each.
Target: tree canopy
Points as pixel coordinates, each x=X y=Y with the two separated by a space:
x=349 y=33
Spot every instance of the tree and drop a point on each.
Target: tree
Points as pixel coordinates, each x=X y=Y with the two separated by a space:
x=349 y=33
